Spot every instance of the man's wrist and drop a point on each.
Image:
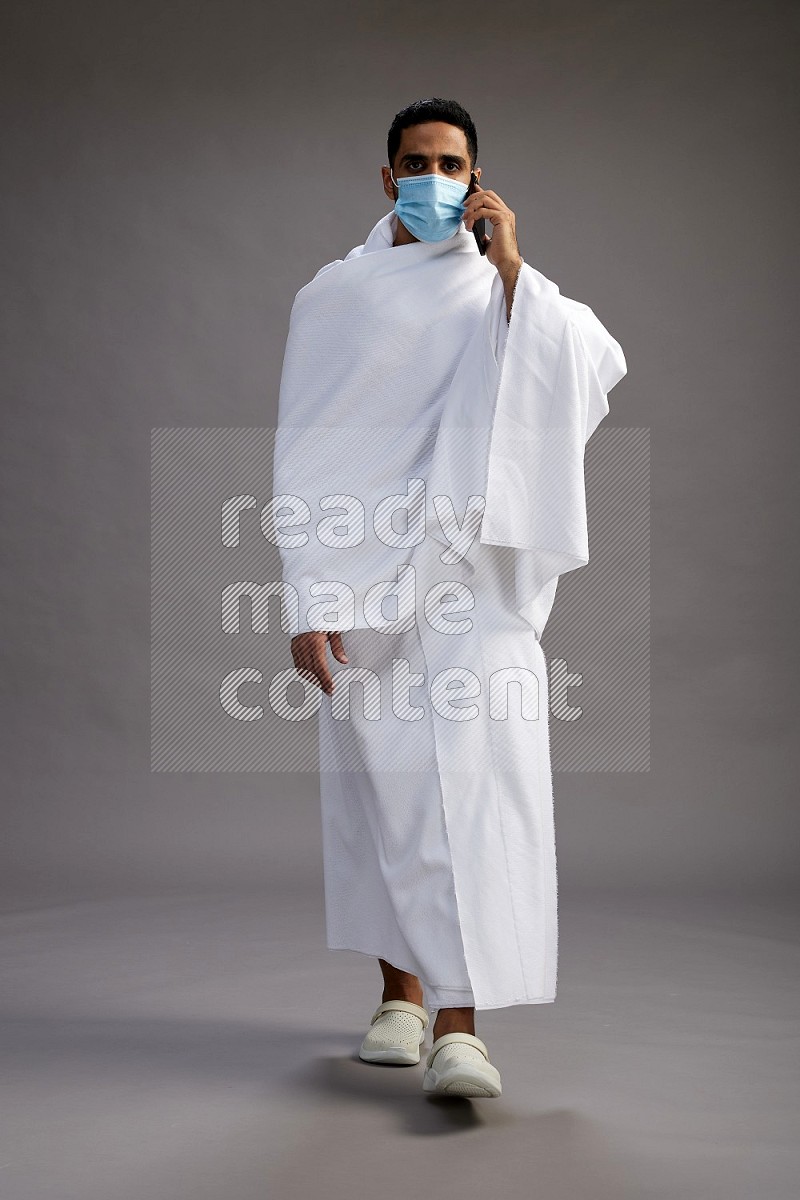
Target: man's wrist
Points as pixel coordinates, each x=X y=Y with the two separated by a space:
x=509 y=274
x=509 y=270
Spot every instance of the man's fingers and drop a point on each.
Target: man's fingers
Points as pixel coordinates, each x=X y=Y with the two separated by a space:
x=320 y=668
x=314 y=667
x=310 y=659
x=495 y=212
x=308 y=675
x=486 y=207
x=337 y=648
x=496 y=216
x=484 y=197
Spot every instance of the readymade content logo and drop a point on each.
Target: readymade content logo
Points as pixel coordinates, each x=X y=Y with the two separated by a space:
x=225 y=587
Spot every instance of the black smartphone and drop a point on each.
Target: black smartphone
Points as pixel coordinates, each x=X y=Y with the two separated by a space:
x=479 y=228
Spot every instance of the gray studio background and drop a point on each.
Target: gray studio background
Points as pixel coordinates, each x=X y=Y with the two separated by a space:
x=171 y=1022
x=175 y=173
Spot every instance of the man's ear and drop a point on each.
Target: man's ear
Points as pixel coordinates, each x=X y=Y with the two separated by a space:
x=388 y=187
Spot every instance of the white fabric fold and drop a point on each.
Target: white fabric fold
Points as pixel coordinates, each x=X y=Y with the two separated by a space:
x=400 y=366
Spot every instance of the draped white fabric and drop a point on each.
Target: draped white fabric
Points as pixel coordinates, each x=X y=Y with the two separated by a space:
x=425 y=440
x=400 y=364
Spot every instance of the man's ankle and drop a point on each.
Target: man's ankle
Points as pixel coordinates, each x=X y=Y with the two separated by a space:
x=400 y=985
x=403 y=992
x=454 y=1020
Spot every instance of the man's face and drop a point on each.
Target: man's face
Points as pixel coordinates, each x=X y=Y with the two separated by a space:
x=434 y=148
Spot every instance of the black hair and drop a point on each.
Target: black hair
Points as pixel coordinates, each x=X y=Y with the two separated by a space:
x=432 y=109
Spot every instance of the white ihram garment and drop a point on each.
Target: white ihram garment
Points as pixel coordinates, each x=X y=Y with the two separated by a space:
x=403 y=378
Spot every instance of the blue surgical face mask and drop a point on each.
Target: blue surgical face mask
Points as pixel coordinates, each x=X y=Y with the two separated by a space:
x=430 y=206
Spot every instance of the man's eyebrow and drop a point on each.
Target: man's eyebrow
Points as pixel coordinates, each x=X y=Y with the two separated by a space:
x=452 y=157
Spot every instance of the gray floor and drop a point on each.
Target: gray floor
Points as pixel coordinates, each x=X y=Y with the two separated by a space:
x=204 y=1045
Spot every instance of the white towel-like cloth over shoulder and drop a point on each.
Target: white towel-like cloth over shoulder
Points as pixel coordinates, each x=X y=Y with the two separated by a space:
x=403 y=377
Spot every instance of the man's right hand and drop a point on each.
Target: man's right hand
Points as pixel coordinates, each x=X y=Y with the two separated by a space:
x=311 y=659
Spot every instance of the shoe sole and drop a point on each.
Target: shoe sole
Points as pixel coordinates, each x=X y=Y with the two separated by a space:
x=393 y=1054
x=463 y=1080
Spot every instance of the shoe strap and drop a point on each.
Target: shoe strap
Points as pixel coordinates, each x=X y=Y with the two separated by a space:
x=401 y=1006
x=447 y=1038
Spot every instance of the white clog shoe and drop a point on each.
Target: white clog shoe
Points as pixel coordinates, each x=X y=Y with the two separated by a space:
x=458 y=1065
x=396 y=1032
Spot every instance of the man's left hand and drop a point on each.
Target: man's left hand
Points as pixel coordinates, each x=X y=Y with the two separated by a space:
x=502 y=250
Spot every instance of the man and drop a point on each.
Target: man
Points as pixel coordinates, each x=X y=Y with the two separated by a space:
x=457 y=389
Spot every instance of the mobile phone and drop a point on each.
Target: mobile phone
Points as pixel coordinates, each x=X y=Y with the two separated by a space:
x=479 y=228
